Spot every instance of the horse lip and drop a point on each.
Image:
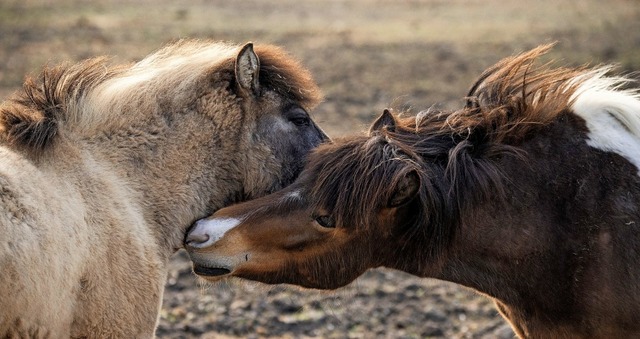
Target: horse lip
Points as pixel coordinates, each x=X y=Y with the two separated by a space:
x=210 y=271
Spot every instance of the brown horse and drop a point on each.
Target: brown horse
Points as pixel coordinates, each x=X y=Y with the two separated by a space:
x=103 y=168
x=529 y=194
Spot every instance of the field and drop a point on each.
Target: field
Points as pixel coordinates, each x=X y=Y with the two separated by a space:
x=365 y=55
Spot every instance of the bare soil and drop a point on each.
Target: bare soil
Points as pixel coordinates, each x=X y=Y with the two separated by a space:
x=366 y=55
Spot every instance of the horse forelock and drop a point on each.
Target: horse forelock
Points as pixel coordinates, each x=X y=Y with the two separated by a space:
x=355 y=177
x=344 y=179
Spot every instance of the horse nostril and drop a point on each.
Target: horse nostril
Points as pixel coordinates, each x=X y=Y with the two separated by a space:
x=193 y=239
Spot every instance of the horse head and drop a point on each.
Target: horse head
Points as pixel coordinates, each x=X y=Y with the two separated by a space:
x=326 y=228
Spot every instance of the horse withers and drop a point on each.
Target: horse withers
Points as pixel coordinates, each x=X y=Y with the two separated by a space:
x=103 y=168
x=529 y=194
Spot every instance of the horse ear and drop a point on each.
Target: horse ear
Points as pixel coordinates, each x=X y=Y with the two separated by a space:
x=386 y=119
x=248 y=70
x=405 y=190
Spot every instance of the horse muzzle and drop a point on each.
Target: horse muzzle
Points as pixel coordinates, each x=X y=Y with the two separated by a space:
x=213 y=265
x=210 y=271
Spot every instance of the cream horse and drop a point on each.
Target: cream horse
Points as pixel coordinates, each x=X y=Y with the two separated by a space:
x=103 y=168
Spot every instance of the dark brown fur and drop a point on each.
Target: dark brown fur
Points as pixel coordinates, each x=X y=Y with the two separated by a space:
x=453 y=152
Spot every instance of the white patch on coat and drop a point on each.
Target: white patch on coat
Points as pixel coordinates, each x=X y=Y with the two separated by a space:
x=612 y=114
x=210 y=229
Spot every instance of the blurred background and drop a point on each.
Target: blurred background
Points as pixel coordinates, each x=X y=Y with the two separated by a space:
x=365 y=55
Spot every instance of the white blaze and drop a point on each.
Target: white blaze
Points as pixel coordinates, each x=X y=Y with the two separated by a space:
x=214 y=229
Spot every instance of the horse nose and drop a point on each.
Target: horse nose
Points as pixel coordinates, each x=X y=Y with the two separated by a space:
x=323 y=136
x=198 y=236
x=193 y=239
x=206 y=232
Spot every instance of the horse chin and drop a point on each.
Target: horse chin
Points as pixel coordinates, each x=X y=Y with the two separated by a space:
x=206 y=272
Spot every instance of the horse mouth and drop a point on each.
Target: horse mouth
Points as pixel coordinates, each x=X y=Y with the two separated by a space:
x=210 y=271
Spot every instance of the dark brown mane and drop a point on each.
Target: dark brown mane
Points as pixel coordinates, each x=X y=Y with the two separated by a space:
x=509 y=100
x=454 y=153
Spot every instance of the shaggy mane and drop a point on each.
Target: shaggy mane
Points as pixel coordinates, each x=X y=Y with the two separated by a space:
x=32 y=117
x=88 y=93
x=453 y=153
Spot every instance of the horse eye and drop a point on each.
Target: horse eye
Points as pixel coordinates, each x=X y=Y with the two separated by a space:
x=298 y=116
x=300 y=121
x=325 y=221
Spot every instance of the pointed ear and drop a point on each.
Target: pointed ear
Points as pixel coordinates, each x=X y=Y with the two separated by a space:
x=405 y=190
x=248 y=70
x=385 y=120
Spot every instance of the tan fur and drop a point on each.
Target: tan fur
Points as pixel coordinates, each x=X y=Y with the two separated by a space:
x=94 y=202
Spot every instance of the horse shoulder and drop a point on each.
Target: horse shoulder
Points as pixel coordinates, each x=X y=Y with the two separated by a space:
x=36 y=286
x=123 y=256
x=90 y=216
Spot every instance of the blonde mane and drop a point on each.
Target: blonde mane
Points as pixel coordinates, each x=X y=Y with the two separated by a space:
x=94 y=95
x=170 y=72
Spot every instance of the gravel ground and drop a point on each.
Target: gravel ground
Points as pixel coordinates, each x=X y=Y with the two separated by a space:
x=380 y=304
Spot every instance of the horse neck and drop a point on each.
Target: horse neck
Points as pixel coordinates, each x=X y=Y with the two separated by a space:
x=172 y=169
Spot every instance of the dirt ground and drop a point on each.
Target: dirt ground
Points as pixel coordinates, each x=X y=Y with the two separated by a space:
x=366 y=55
